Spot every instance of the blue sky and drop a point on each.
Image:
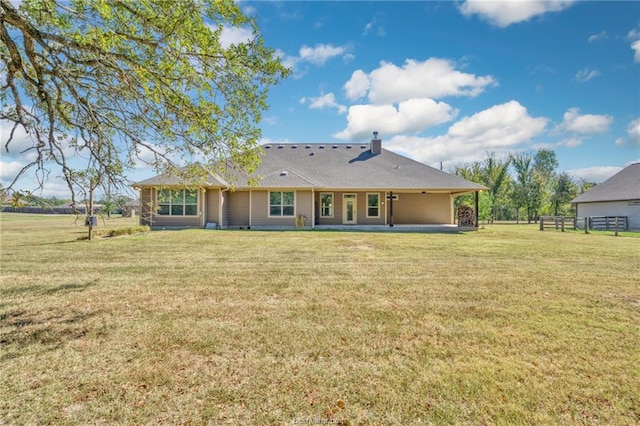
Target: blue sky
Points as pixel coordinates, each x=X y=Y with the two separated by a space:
x=450 y=81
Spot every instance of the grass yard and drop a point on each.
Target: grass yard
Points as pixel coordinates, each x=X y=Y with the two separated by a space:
x=507 y=325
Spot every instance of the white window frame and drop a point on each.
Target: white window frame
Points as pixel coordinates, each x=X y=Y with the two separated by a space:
x=171 y=204
x=378 y=206
x=331 y=206
x=282 y=206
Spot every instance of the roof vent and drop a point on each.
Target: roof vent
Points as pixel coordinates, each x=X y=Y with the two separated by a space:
x=283 y=173
x=294 y=146
x=348 y=146
x=321 y=146
x=334 y=147
x=280 y=146
x=312 y=154
x=363 y=146
x=267 y=146
x=308 y=146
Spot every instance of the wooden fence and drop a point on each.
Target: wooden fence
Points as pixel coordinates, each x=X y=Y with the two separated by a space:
x=558 y=223
x=608 y=223
x=600 y=223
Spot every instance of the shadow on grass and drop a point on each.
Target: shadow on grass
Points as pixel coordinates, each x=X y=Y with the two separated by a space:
x=22 y=331
x=44 y=290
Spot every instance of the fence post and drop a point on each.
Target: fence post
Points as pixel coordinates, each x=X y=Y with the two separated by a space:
x=541 y=223
x=562 y=224
x=586 y=225
x=616 y=225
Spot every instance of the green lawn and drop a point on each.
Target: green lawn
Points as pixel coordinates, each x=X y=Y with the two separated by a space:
x=507 y=325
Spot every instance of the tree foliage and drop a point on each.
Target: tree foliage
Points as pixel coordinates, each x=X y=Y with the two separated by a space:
x=523 y=182
x=120 y=83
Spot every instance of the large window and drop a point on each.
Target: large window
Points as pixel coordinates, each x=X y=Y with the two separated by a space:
x=373 y=205
x=326 y=204
x=178 y=202
x=281 y=203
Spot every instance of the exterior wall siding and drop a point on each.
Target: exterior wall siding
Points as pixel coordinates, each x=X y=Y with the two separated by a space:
x=260 y=210
x=612 y=208
x=232 y=209
x=146 y=197
x=212 y=209
x=149 y=216
x=423 y=209
x=238 y=209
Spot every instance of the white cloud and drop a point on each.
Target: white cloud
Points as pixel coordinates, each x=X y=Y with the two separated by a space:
x=20 y=144
x=374 y=26
x=499 y=129
x=321 y=53
x=358 y=86
x=232 y=35
x=602 y=35
x=325 y=101
x=586 y=74
x=505 y=13
x=585 y=124
x=571 y=142
x=411 y=116
x=9 y=170
x=633 y=130
x=633 y=34
x=636 y=48
x=433 y=78
x=594 y=174
x=317 y=55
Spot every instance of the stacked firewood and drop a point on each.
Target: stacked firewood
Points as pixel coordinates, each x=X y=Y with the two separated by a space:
x=466 y=216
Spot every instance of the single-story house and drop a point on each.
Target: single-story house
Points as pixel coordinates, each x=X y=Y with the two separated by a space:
x=617 y=196
x=311 y=185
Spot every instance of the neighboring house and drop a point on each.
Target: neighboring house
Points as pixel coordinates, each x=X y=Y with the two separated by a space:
x=617 y=196
x=329 y=184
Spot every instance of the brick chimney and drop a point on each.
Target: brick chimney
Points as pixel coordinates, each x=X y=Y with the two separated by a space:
x=376 y=144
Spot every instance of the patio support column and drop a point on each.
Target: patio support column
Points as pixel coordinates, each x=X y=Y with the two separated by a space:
x=477 y=212
x=313 y=208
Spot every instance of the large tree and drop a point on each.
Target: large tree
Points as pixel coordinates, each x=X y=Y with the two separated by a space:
x=119 y=82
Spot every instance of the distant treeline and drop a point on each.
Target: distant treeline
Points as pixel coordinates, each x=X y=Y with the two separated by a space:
x=47 y=210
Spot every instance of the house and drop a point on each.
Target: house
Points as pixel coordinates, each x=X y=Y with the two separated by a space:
x=617 y=196
x=322 y=185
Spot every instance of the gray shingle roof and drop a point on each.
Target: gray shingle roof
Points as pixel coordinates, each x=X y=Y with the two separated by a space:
x=624 y=185
x=345 y=166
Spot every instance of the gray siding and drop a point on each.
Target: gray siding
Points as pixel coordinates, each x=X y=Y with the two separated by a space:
x=612 y=208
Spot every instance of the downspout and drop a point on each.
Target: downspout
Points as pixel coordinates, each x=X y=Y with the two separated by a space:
x=250 y=207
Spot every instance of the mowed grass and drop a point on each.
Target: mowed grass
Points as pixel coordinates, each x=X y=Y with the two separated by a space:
x=507 y=325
